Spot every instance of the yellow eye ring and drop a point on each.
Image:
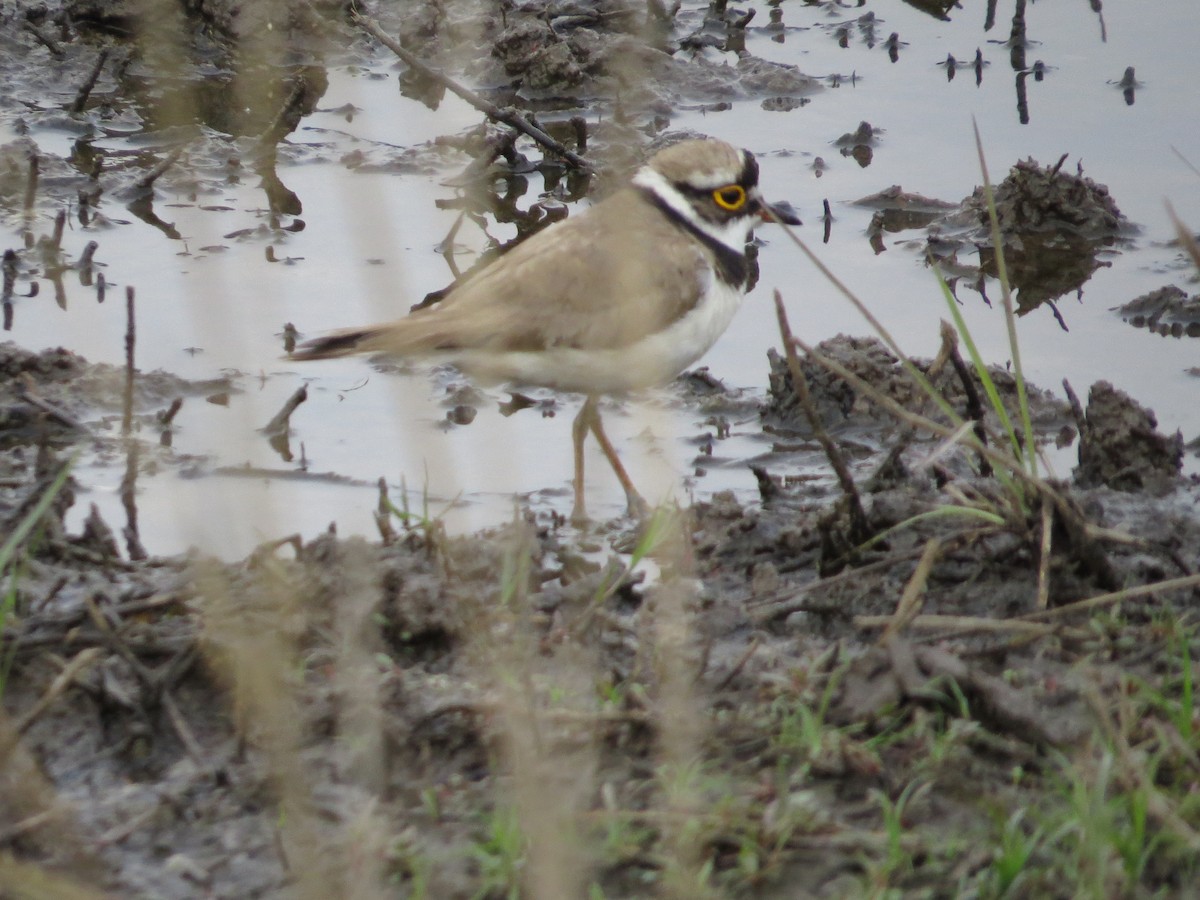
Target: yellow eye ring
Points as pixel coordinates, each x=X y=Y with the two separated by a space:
x=732 y=197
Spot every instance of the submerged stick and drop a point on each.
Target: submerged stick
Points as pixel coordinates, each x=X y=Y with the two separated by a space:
x=133 y=540
x=279 y=424
x=60 y=226
x=167 y=416
x=31 y=186
x=130 y=344
x=85 y=89
x=88 y=254
x=9 y=268
x=45 y=40
x=147 y=181
x=279 y=126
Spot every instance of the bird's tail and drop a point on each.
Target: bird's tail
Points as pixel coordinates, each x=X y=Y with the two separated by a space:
x=340 y=343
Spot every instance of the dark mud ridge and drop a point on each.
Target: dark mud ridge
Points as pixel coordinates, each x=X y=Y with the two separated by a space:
x=781 y=711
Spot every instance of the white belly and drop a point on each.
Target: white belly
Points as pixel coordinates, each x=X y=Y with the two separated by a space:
x=655 y=359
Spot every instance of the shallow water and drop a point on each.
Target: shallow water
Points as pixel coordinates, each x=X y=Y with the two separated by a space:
x=369 y=250
x=928 y=147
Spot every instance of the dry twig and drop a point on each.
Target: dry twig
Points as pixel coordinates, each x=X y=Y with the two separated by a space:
x=859 y=530
x=910 y=600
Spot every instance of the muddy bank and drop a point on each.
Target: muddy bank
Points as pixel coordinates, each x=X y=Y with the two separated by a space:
x=346 y=712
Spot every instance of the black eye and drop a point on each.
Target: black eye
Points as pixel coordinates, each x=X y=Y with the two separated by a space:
x=731 y=197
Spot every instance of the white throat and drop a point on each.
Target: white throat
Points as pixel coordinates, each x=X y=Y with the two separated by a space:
x=733 y=234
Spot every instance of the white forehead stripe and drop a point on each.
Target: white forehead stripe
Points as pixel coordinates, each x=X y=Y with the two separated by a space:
x=733 y=233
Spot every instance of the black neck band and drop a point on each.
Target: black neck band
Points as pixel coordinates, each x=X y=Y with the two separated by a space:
x=732 y=267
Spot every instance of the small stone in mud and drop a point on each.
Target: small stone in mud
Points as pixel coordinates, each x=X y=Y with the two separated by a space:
x=461 y=414
x=1120 y=446
x=463 y=394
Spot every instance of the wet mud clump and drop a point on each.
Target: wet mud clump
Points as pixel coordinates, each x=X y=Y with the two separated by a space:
x=543 y=60
x=1054 y=225
x=853 y=415
x=1035 y=199
x=1120 y=445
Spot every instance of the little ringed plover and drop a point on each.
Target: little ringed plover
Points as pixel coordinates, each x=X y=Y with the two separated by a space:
x=621 y=297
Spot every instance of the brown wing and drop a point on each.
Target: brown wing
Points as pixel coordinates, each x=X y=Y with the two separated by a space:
x=563 y=288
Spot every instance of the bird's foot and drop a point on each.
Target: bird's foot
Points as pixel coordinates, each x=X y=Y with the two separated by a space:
x=579 y=516
x=637 y=507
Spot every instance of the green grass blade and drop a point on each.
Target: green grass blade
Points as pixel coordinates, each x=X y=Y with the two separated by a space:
x=34 y=516
x=1029 y=458
x=989 y=386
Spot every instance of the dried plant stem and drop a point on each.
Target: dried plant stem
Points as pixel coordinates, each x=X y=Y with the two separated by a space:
x=958 y=625
x=876 y=325
x=859 y=530
x=1113 y=597
x=1043 y=575
x=910 y=600
x=133 y=540
x=1000 y=460
x=793 y=600
x=1186 y=239
x=62 y=681
x=1083 y=544
x=1010 y=316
